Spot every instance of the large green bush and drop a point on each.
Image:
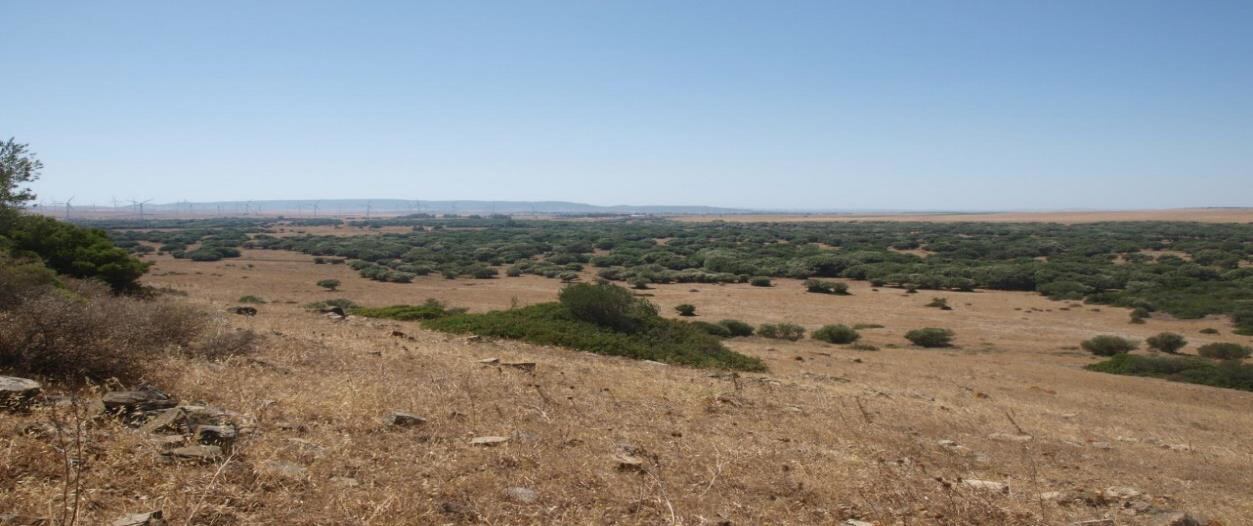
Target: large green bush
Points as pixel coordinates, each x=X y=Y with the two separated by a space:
x=1225 y=351
x=1167 y=342
x=781 y=331
x=737 y=328
x=1229 y=374
x=606 y=305
x=930 y=337
x=1108 y=345
x=69 y=249
x=836 y=334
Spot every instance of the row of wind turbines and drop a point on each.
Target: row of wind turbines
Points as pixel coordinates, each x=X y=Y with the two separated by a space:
x=187 y=209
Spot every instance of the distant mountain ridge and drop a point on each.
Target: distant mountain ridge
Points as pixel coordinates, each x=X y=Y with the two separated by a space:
x=409 y=206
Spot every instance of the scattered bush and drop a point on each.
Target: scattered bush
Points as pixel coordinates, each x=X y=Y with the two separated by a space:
x=781 y=331
x=836 y=334
x=819 y=286
x=930 y=337
x=1224 y=351
x=737 y=328
x=861 y=326
x=1139 y=314
x=863 y=347
x=939 y=303
x=1107 y=345
x=329 y=284
x=713 y=329
x=606 y=305
x=251 y=299
x=760 y=281
x=1167 y=342
x=685 y=309
x=430 y=310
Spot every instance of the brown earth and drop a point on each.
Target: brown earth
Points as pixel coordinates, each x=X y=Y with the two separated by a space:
x=828 y=434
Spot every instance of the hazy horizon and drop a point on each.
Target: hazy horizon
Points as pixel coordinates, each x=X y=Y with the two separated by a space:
x=806 y=106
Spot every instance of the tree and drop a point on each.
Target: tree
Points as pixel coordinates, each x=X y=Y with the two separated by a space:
x=18 y=166
x=1167 y=342
x=329 y=284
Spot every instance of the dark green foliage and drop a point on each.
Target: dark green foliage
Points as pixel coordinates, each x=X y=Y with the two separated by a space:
x=930 y=337
x=760 y=281
x=428 y=311
x=69 y=249
x=685 y=309
x=251 y=299
x=1224 y=351
x=329 y=284
x=861 y=326
x=1108 y=345
x=863 y=347
x=781 y=331
x=606 y=305
x=1167 y=342
x=651 y=338
x=1139 y=314
x=819 y=286
x=1209 y=330
x=836 y=334
x=18 y=167
x=939 y=303
x=713 y=329
x=1227 y=374
x=737 y=328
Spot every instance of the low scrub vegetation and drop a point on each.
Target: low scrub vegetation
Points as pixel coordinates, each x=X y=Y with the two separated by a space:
x=1167 y=342
x=822 y=286
x=427 y=311
x=930 y=337
x=781 y=331
x=836 y=334
x=1228 y=374
x=251 y=299
x=603 y=319
x=737 y=328
x=685 y=309
x=1108 y=345
x=1225 y=351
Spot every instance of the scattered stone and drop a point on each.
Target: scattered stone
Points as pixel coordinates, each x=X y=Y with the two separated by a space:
x=855 y=522
x=857 y=360
x=1101 y=445
x=335 y=311
x=13 y=519
x=282 y=470
x=143 y=400
x=152 y=518
x=402 y=419
x=345 y=482
x=628 y=462
x=474 y=338
x=1121 y=493
x=521 y=495
x=16 y=393
x=215 y=435
x=1009 y=437
x=488 y=441
x=1178 y=447
x=206 y=454
x=987 y=485
x=490 y=361
x=168 y=441
x=243 y=311
x=651 y=362
x=1094 y=522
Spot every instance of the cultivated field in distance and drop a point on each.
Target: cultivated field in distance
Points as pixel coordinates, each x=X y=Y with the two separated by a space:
x=469 y=401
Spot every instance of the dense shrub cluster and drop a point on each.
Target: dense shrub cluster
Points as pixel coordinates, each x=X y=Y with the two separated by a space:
x=427 y=311
x=1108 y=345
x=1167 y=342
x=930 y=337
x=737 y=328
x=1225 y=351
x=68 y=249
x=836 y=334
x=1229 y=374
x=781 y=331
x=822 y=286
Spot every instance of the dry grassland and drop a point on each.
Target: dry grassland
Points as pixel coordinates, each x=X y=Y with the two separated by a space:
x=828 y=434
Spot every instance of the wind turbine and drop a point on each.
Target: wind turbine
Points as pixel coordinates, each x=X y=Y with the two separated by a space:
x=315 y=209
x=368 y=206
x=67 y=207
x=140 y=206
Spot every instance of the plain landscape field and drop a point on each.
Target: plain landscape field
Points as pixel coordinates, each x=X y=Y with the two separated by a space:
x=1004 y=427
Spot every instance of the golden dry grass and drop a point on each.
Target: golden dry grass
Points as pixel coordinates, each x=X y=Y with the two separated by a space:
x=828 y=434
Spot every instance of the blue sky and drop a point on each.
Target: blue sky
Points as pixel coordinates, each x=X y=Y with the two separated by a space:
x=821 y=105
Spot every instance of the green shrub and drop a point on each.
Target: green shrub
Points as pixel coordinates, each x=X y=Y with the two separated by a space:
x=1209 y=330
x=781 y=331
x=70 y=250
x=251 y=299
x=939 y=303
x=713 y=329
x=836 y=334
x=819 y=286
x=685 y=309
x=1107 y=345
x=863 y=347
x=640 y=283
x=652 y=337
x=1224 y=351
x=1139 y=314
x=1228 y=374
x=428 y=311
x=760 y=281
x=1167 y=342
x=329 y=284
x=737 y=328
x=930 y=337
x=861 y=326
x=606 y=305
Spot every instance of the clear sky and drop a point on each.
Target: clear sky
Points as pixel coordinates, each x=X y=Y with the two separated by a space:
x=833 y=105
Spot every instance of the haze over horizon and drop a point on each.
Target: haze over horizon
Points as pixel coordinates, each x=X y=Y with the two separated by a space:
x=804 y=106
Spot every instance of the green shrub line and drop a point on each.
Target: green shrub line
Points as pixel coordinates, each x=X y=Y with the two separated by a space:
x=781 y=331
x=930 y=337
x=836 y=334
x=1226 y=374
